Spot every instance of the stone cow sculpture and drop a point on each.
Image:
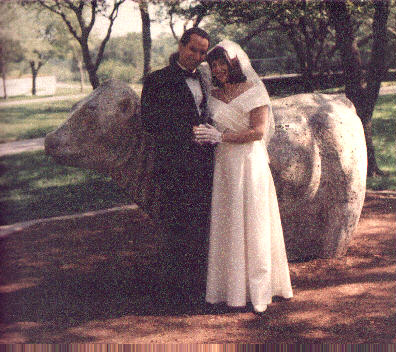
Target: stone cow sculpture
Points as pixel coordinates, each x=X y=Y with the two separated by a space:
x=318 y=160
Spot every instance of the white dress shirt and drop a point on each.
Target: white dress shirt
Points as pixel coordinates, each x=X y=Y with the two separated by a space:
x=195 y=88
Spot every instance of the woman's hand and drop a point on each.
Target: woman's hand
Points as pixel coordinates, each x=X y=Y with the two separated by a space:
x=207 y=134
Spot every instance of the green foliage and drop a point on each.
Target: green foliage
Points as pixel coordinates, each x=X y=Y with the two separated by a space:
x=297 y=31
x=10 y=48
x=123 y=58
x=270 y=51
x=305 y=25
x=241 y=11
x=37 y=34
x=10 y=52
x=115 y=69
x=34 y=186
x=161 y=49
x=126 y=49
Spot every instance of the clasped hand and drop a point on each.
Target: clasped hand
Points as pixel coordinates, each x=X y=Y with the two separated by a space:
x=207 y=134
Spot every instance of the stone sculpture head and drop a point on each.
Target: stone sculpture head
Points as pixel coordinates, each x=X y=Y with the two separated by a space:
x=100 y=131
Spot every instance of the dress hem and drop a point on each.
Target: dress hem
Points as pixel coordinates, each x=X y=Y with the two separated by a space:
x=243 y=305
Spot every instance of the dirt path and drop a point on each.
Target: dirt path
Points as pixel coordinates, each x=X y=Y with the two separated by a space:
x=90 y=280
x=26 y=145
x=41 y=100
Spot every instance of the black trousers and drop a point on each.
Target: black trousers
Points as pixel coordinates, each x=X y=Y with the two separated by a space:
x=183 y=216
x=184 y=248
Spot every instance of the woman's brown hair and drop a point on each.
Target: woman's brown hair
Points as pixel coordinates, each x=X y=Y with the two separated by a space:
x=235 y=71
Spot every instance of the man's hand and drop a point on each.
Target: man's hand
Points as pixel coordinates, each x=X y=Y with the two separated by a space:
x=207 y=134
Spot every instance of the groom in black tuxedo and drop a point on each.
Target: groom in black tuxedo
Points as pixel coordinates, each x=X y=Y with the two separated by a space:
x=174 y=100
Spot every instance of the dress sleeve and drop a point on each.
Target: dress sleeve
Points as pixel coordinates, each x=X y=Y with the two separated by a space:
x=254 y=99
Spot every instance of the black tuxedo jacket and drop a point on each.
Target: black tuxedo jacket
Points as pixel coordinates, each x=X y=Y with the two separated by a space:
x=183 y=170
x=168 y=107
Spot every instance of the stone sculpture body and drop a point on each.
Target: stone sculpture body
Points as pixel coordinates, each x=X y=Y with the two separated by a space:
x=318 y=160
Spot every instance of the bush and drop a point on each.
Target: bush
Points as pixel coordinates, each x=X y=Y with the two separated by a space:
x=116 y=69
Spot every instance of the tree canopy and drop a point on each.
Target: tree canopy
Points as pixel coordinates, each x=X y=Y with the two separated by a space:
x=79 y=18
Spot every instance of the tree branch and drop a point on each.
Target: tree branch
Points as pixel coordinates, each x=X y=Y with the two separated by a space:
x=94 y=6
x=172 y=27
x=112 y=18
x=261 y=28
x=73 y=7
x=63 y=16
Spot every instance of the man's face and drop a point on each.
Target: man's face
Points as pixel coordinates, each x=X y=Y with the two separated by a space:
x=194 y=52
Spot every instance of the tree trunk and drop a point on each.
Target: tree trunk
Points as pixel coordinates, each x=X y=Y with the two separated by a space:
x=3 y=75
x=81 y=69
x=362 y=91
x=93 y=78
x=308 y=80
x=146 y=36
x=301 y=58
x=34 y=76
x=82 y=27
x=91 y=69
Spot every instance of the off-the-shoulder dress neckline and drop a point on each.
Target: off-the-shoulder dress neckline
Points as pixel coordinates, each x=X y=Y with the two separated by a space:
x=229 y=102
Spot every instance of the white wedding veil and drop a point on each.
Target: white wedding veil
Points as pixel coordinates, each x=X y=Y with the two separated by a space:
x=234 y=50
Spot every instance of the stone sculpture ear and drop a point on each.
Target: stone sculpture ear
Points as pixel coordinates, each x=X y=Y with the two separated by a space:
x=129 y=107
x=125 y=105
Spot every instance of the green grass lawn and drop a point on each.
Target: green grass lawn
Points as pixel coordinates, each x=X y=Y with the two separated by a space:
x=63 y=91
x=35 y=120
x=33 y=186
x=32 y=120
x=384 y=139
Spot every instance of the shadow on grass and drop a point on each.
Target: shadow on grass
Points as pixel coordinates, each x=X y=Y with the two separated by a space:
x=34 y=186
x=40 y=132
x=384 y=128
x=23 y=112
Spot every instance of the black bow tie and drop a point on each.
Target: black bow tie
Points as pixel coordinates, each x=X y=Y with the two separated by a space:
x=193 y=75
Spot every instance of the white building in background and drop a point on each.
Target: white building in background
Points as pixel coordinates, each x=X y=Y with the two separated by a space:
x=45 y=85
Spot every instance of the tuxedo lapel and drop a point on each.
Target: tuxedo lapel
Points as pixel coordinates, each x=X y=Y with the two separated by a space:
x=183 y=92
x=204 y=116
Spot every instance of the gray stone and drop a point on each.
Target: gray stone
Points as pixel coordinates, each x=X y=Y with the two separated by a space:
x=104 y=133
x=318 y=160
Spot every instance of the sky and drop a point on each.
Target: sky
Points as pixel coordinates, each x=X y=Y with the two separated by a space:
x=128 y=20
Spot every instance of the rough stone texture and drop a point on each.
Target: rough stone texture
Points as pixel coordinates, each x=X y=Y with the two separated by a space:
x=318 y=160
x=104 y=133
x=319 y=163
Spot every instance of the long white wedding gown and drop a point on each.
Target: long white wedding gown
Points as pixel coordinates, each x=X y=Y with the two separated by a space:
x=247 y=257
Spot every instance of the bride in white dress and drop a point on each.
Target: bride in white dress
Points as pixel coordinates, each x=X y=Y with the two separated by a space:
x=247 y=257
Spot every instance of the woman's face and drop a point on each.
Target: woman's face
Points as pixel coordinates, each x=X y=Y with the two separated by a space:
x=220 y=70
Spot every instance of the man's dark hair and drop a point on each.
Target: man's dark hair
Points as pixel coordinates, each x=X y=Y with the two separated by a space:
x=234 y=67
x=185 y=39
